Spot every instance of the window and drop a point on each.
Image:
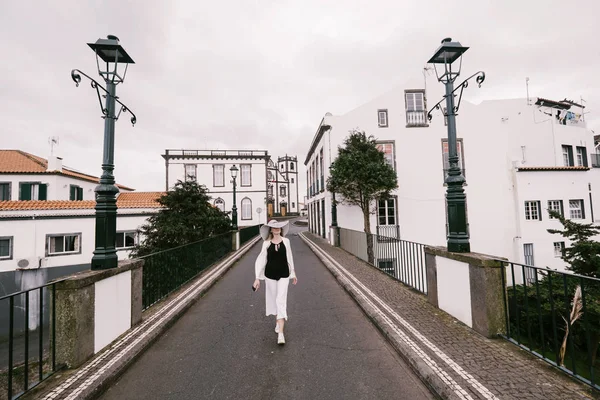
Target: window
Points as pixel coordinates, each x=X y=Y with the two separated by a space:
x=382 y=118
x=292 y=166
x=76 y=193
x=57 y=245
x=33 y=191
x=581 y=156
x=126 y=239
x=386 y=212
x=220 y=204
x=282 y=191
x=5 y=191
x=190 y=172
x=246 y=175
x=271 y=190
x=559 y=249
x=556 y=205
x=388 y=152
x=218 y=175
x=528 y=253
x=532 y=210
x=387 y=265
x=567 y=155
x=415 y=101
x=293 y=205
x=246 y=208
x=281 y=166
x=446 y=157
x=6 y=247
x=292 y=180
x=576 y=209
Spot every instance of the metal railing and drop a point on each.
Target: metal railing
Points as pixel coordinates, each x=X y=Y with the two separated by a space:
x=28 y=354
x=387 y=231
x=595 y=158
x=416 y=118
x=555 y=316
x=248 y=233
x=168 y=270
x=401 y=259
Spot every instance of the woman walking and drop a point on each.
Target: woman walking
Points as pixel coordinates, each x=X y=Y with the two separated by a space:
x=275 y=265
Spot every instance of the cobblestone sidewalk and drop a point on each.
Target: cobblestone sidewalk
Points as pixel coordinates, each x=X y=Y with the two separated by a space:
x=468 y=364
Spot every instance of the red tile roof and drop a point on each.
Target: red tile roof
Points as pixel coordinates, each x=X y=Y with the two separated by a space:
x=125 y=200
x=575 y=168
x=21 y=162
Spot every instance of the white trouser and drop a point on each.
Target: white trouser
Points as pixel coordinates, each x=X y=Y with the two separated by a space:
x=276 y=297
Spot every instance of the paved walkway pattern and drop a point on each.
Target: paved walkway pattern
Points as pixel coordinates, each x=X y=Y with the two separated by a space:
x=458 y=362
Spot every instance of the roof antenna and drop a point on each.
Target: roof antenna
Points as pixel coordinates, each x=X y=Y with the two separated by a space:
x=527 y=84
x=52 y=141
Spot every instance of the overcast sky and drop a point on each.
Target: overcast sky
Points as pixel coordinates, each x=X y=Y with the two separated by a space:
x=260 y=74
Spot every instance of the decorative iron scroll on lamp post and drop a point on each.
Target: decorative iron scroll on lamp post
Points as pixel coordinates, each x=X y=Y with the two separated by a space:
x=458 y=228
x=112 y=53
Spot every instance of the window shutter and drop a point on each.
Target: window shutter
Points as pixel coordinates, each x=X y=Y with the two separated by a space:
x=582 y=208
x=585 y=158
x=72 y=192
x=539 y=205
x=562 y=209
x=43 y=191
x=24 y=191
x=79 y=193
x=570 y=151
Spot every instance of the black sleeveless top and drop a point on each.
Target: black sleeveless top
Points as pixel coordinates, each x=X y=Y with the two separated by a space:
x=277 y=265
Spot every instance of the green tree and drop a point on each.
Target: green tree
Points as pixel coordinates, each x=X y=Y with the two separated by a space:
x=187 y=217
x=583 y=256
x=361 y=176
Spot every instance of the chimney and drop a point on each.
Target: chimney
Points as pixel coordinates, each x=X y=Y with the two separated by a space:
x=54 y=164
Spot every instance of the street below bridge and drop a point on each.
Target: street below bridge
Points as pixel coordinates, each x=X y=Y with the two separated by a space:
x=224 y=347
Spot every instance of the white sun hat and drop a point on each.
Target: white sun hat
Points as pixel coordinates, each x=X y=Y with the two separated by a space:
x=265 y=229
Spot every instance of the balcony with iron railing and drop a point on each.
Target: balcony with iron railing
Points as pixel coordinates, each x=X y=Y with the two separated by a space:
x=416 y=118
x=595 y=159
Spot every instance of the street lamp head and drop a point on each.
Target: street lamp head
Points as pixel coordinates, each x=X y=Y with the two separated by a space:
x=447 y=54
x=112 y=53
x=234 y=171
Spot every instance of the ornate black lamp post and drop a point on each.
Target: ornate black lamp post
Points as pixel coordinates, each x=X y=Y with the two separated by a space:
x=234 y=171
x=458 y=232
x=110 y=52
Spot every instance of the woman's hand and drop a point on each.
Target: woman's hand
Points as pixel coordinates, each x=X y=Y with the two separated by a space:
x=256 y=284
x=294 y=280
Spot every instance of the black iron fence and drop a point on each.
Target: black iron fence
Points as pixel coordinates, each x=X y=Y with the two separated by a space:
x=28 y=354
x=401 y=259
x=168 y=270
x=555 y=316
x=248 y=233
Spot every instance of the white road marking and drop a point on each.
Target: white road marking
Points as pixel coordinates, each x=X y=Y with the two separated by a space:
x=457 y=368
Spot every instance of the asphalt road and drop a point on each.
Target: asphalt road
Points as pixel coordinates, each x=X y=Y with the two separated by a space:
x=224 y=347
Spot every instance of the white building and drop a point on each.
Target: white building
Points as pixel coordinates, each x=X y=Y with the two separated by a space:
x=47 y=218
x=282 y=182
x=519 y=158
x=262 y=189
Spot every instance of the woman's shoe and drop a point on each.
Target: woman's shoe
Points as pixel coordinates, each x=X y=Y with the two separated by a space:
x=280 y=339
x=276 y=328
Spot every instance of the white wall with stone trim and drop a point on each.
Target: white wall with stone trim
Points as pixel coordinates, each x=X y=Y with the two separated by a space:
x=29 y=237
x=112 y=309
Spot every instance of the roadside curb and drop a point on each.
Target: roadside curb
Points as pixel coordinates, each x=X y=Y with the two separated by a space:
x=105 y=375
x=427 y=375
